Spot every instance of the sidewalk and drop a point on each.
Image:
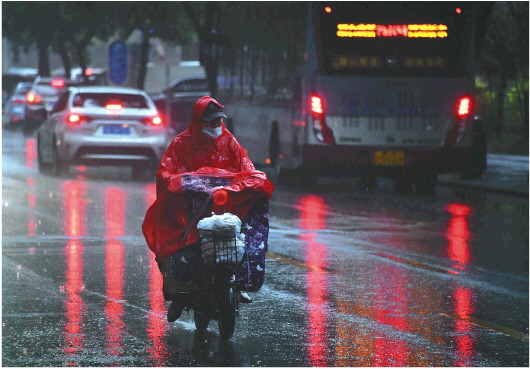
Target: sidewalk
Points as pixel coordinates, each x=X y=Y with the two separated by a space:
x=505 y=173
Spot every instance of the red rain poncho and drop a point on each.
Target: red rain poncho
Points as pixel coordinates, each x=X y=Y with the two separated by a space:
x=194 y=153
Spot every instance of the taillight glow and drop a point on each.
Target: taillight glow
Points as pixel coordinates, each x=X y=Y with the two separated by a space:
x=74 y=119
x=57 y=83
x=317 y=106
x=113 y=106
x=322 y=132
x=155 y=121
x=33 y=98
x=327 y=9
x=464 y=106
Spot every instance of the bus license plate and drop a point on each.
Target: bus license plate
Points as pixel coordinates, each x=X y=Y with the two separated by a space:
x=389 y=158
x=116 y=130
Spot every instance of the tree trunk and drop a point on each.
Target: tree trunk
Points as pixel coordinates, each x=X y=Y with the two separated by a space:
x=65 y=58
x=522 y=99
x=499 y=124
x=44 y=58
x=80 y=55
x=144 y=59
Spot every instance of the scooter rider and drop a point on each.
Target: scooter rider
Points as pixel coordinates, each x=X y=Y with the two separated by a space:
x=206 y=143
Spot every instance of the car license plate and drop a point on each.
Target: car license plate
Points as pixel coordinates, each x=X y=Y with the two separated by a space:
x=389 y=158
x=115 y=129
x=49 y=105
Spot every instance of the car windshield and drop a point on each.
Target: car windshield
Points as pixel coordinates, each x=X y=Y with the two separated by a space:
x=22 y=89
x=102 y=100
x=46 y=89
x=190 y=85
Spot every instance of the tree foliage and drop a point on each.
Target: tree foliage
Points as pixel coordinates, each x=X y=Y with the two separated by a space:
x=68 y=28
x=503 y=60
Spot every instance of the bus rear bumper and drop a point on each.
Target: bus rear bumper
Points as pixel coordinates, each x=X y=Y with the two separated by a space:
x=339 y=157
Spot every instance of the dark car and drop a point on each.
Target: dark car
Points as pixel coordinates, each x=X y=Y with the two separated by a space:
x=41 y=98
x=194 y=83
x=178 y=110
x=14 y=108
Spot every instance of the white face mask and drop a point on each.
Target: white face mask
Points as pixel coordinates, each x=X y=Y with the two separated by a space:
x=212 y=132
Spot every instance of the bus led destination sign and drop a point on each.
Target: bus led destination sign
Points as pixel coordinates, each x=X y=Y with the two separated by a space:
x=392 y=30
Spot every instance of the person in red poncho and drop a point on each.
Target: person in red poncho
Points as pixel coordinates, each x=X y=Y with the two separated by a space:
x=205 y=148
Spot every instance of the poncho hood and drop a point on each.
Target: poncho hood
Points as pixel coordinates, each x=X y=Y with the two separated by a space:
x=195 y=126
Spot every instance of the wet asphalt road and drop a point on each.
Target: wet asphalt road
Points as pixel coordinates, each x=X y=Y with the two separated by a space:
x=353 y=279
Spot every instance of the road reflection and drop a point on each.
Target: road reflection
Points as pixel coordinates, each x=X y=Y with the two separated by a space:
x=458 y=250
x=31 y=150
x=30 y=163
x=115 y=201
x=31 y=205
x=312 y=219
x=74 y=206
x=156 y=326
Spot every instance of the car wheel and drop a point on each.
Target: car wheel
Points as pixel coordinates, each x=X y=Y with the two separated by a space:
x=27 y=127
x=59 y=167
x=479 y=153
x=44 y=168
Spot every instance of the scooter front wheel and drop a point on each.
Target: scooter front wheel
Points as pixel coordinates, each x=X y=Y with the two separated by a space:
x=227 y=313
x=201 y=321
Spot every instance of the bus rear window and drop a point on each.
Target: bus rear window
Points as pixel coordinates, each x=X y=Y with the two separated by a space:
x=102 y=100
x=392 y=38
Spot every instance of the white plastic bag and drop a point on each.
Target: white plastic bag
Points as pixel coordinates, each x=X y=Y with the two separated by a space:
x=226 y=224
x=226 y=230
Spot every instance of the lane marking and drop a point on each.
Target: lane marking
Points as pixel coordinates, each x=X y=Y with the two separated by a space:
x=416 y=264
x=296 y=263
x=492 y=326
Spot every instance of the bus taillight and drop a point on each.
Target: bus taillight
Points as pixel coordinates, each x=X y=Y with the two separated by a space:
x=322 y=132
x=316 y=105
x=463 y=110
x=463 y=107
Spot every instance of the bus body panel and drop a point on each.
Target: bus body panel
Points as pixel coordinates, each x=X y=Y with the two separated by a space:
x=386 y=112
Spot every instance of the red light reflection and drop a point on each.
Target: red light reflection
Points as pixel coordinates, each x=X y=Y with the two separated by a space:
x=391 y=309
x=464 y=307
x=458 y=233
x=74 y=306
x=30 y=152
x=75 y=208
x=115 y=201
x=312 y=218
x=156 y=326
x=31 y=204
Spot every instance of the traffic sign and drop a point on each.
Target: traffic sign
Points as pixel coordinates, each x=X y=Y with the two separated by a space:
x=118 y=62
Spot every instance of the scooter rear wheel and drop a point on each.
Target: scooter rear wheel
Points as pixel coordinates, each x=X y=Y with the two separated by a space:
x=227 y=313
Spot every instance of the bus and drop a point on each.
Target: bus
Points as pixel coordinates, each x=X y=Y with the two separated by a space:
x=375 y=88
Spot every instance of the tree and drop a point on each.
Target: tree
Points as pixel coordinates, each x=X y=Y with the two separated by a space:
x=24 y=22
x=164 y=20
x=205 y=19
x=507 y=35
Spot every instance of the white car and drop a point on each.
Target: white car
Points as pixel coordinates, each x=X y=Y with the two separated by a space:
x=102 y=126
